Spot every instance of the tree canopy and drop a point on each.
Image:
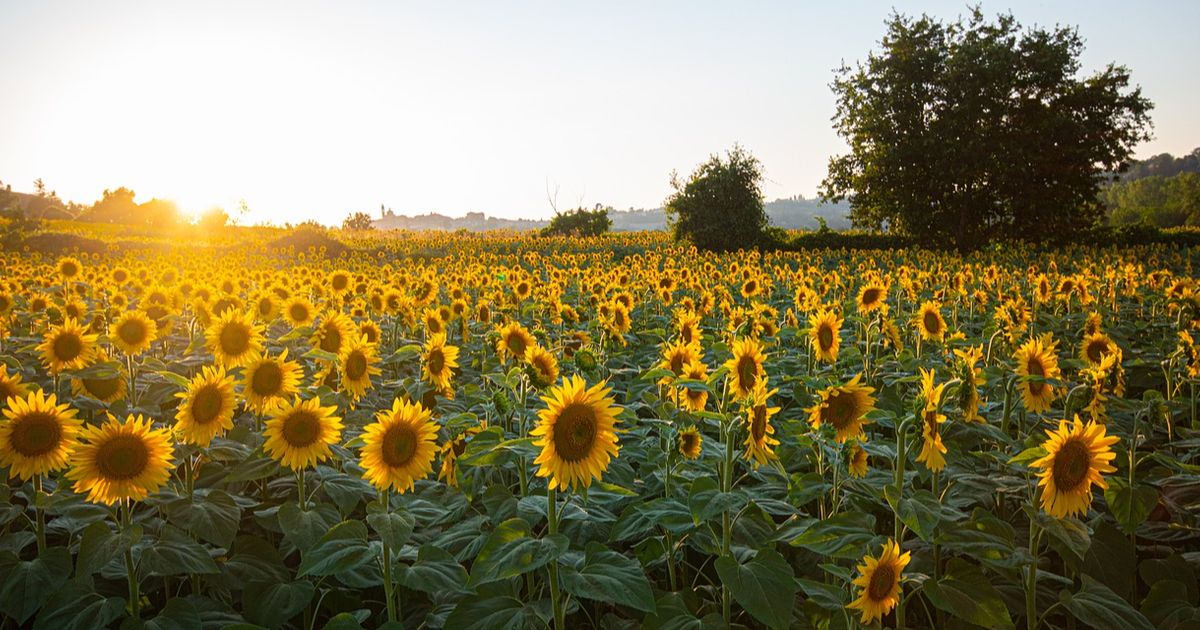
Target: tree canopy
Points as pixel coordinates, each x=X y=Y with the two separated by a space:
x=579 y=222
x=720 y=206
x=972 y=131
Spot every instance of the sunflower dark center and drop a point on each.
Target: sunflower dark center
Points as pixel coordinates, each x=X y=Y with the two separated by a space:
x=298 y=312
x=132 y=332
x=67 y=346
x=932 y=324
x=870 y=296
x=399 y=445
x=758 y=423
x=264 y=306
x=1035 y=368
x=840 y=410
x=1096 y=350
x=687 y=335
x=122 y=457
x=575 y=432
x=677 y=363
x=825 y=336
x=516 y=344
x=36 y=434
x=882 y=581
x=235 y=339
x=747 y=372
x=437 y=361
x=301 y=428
x=1071 y=465
x=267 y=379
x=340 y=282
x=331 y=341
x=207 y=404
x=102 y=388
x=356 y=365
x=691 y=443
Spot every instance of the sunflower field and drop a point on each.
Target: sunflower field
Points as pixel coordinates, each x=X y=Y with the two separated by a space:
x=454 y=431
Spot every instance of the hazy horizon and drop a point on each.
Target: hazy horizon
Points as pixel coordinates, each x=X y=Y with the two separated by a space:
x=312 y=111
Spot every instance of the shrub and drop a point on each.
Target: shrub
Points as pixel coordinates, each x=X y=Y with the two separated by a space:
x=579 y=222
x=720 y=207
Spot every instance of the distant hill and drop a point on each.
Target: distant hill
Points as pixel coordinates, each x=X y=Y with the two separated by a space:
x=791 y=213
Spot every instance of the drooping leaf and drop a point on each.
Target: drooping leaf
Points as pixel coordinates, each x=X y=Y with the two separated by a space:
x=511 y=550
x=343 y=548
x=1096 y=606
x=765 y=586
x=608 y=576
x=26 y=584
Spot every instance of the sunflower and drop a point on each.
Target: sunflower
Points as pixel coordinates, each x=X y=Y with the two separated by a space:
x=879 y=580
x=439 y=362
x=454 y=449
x=359 y=363
x=298 y=312
x=133 y=332
x=399 y=447
x=970 y=378
x=932 y=449
x=542 y=366
x=1094 y=347
x=693 y=399
x=746 y=366
x=1077 y=455
x=675 y=357
x=107 y=390
x=207 y=407
x=37 y=435
x=122 y=460
x=234 y=339
x=334 y=333
x=690 y=442
x=825 y=333
x=67 y=347
x=856 y=460
x=843 y=407
x=577 y=433
x=930 y=323
x=267 y=380
x=298 y=434
x=871 y=296
x=759 y=442
x=688 y=323
x=514 y=340
x=11 y=386
x=69 y=268
x=1036 y=358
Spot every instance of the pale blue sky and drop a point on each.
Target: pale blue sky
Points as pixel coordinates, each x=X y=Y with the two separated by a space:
x=312 y=110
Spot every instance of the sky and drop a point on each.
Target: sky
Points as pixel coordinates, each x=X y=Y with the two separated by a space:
x=313 y=110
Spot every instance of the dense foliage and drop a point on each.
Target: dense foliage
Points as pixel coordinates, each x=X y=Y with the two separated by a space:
x=720 y=206
x=1155 y=200
x=967 y=132
x=579 y=222
x=471 y=432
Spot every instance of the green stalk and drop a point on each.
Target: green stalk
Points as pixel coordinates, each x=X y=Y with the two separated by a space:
x=555 y=596
x=131 y=569
x=726 y=523
x=388 y=585
x=300 y=489
x=1031 y=618
x=898 y=525
x=41 y=514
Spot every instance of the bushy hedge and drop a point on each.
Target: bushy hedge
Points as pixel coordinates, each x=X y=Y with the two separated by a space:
x=1102 y=236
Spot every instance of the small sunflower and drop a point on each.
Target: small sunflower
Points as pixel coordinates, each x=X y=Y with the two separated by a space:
x=690 y=442
x=234 y=338
x=107 y=390
x=759 y=441
x=334 y=333
x=514 y=340
x=359 y=363
x=746 y=366
x=1077 y=456
x=207 y=407
x=37 y=435
x=439 y=362
x=879 y=579
x=542 y=366
x=67 y=347
x=693 y=399
x=267 y=380
x=576 y=432
x=452 y=450
x=1037 y=359
x=298 y=434
x=843 y=407
x=122 y=460
x=69 y=268
x=970 y=378
x=11 y=386
x=871 y=296
x=675 y=357
x=133 y=332
x=825 y=333
x=399 y=447
x=932 y=449
x=856 y=460
x=930 y=323
x=298 y=312
x=1094 y=347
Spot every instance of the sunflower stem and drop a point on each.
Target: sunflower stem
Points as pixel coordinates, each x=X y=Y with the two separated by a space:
x=1031 y=619
x=300 y=489
x=388 y=587
x=726 y=523
x=41 y=515
x=131 y=569
x=555 y=595
x=898 y=534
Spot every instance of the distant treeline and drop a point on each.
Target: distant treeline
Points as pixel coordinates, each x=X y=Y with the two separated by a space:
x=1163 y=191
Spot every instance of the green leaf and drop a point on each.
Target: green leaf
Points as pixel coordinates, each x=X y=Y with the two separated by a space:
x=1130 y=504
x=500 y=613
x=272 y=604
x=1068 y=536
x=177 y=614
x=101 y=545
x=843 y=535
x=27 y=584
x=608 y=576
x=393 y=528
x=304 y=528
x=435 y=571
x=510 y=551
x=174 y=553
x=1111 y=558
x=765 y=586
x=343 y=548
x=1167 y=601
x=1029 y=455
x=706 y=501
x=639 y=519
x=213 y=516
x=968 y=594
x=77 y=607
x=1098 y=607
x=921 y=513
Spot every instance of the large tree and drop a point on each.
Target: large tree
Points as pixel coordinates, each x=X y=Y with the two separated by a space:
x=720 y=206
x=977 y=130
